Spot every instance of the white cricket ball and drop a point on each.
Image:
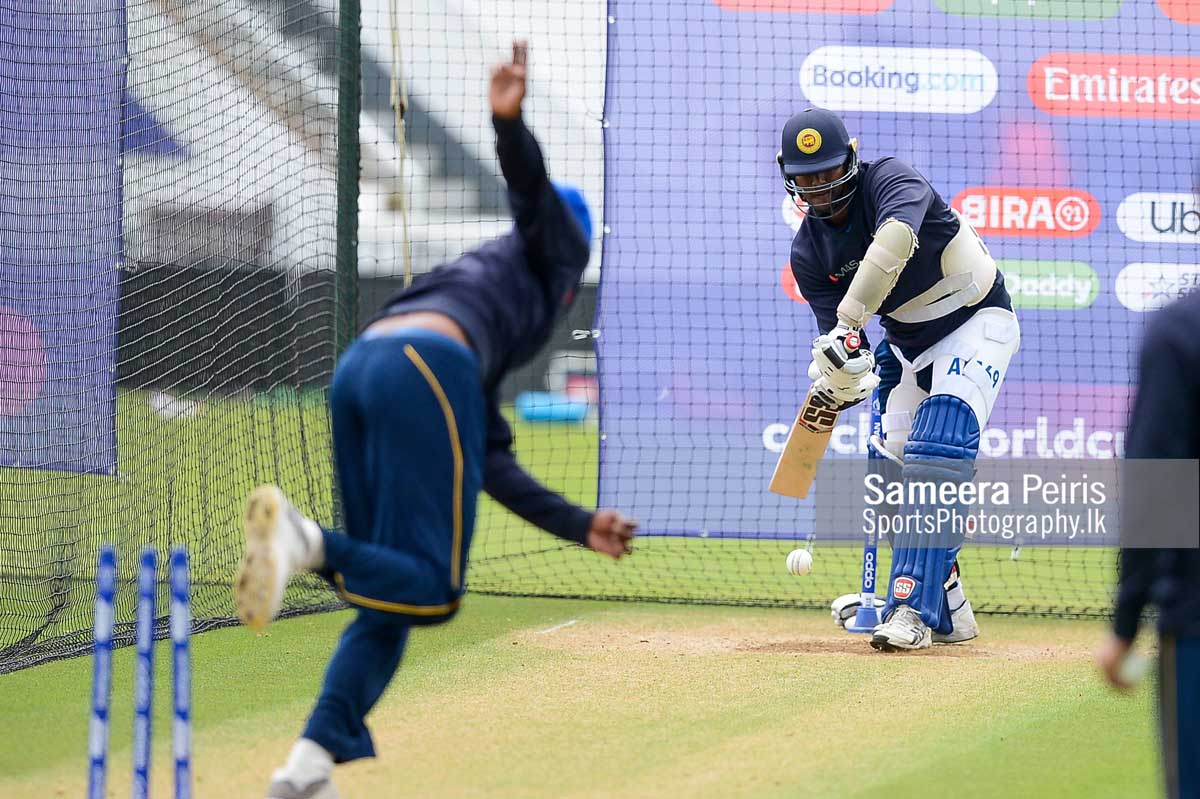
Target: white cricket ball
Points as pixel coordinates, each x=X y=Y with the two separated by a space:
x=799 y=562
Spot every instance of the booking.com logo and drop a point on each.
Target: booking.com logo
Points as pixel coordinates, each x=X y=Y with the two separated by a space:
x=898 y=79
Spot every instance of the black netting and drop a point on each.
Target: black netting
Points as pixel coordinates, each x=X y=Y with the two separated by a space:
x=172 y=305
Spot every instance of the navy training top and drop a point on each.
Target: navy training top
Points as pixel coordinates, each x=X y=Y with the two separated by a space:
x=506 y=295
x=824 y=258
x=1164 y=423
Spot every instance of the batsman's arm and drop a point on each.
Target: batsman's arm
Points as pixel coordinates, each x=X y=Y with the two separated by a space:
x=902 y=198
x=876 y=276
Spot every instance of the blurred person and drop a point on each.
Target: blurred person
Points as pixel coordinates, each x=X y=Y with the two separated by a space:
x=417 y=433
x=1164 y=423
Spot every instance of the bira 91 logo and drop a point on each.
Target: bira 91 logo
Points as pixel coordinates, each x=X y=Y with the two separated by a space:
x=1111 y=85
x=903 y=587
x=1011 y=211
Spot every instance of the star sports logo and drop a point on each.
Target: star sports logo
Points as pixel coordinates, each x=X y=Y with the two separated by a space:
x=1012 y=211
x=1110 y=85
x=1147 y=287
x=903 y=587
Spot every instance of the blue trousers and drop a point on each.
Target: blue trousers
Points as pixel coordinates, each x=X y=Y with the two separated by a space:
x=409 y=429
x=1179 y=714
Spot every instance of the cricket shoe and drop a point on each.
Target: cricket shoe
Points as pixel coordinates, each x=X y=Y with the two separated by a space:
x=279 y=542
x=903 y=630
x=965 y=626
x=284 y=788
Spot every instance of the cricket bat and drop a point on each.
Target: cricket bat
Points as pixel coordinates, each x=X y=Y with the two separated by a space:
x=804 y=447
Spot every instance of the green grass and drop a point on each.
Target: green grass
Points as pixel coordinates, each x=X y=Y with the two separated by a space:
x=179 y=481
x=631 y=700
x=184 y=480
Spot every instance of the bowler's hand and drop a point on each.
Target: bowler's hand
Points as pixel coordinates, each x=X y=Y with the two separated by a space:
x=508 y=83
x=1111 y=656
x=611 y=533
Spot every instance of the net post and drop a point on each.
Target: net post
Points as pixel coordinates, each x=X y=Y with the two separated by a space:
x=348 y=165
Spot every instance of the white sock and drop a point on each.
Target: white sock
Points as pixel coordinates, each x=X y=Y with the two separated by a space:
x=307 y=763
x=955 y=597
x=315 y=557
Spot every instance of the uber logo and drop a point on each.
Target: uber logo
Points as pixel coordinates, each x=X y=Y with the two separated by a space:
x=1160 y=217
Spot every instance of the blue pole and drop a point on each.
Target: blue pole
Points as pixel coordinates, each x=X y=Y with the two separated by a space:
x=143 y=675
x=181 y=627
x=106 y=591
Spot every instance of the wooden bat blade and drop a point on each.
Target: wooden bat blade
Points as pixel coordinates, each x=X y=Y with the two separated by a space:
x=803 y=450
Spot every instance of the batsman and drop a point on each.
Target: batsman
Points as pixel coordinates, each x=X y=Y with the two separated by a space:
x=877 y=239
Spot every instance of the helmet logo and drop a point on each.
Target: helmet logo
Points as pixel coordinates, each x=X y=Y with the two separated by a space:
x=808 y=140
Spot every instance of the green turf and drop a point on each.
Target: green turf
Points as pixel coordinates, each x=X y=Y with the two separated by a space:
x=183 y=481
x=179 y=481
x=633 y=700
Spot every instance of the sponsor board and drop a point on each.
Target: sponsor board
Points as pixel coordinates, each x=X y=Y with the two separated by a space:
x=1186 y=12
x=1079 y=437
x=788 y=281
x=899 y=79
x=1116 y=85
x=808 y=6
x=1019 y=211
x=1160 y=217
x=793 y=215
x=1148 y=287
x=1027 y=9
x=1050 y=285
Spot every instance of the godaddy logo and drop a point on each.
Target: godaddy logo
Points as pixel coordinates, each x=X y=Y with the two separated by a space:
x=1050 y=285
x=1025 y=9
